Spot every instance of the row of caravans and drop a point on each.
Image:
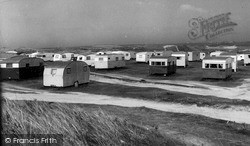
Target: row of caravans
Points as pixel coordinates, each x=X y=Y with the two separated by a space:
x=216 y=67
x=62 y=74
x=109 y=61
x=182 y=57
x=219 y=65
x=236 y=57
x=58 y=73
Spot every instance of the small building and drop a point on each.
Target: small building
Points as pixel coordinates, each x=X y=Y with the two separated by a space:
x=63 y=57
x=21 y=67
x=162 y=65
x=193 y=56
x=202 y=55
x=125 y=53
x=181 y=58
x=108 y=61
x=143 y=56
x=217 y=67
x=216 y=53
x=234 y=56
x=66 y=73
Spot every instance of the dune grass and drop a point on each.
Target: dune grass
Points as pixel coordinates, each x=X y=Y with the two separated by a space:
x=78 y=127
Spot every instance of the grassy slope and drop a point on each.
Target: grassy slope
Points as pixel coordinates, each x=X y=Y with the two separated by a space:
x=79 y=127
x=101 y=125
x=183 y=126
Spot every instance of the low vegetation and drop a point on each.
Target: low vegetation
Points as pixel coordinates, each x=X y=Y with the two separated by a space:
x=77 y=126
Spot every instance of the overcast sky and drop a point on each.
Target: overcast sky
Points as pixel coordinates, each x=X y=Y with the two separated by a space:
x=57 y=23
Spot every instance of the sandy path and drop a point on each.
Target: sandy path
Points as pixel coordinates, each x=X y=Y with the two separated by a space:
x=13 y=92
x=192 y=87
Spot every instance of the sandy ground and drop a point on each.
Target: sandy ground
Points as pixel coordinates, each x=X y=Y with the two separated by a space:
x=14 y=92
x=192 y=87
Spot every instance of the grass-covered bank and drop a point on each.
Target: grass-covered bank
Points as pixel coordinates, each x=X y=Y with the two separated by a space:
x=77 y=126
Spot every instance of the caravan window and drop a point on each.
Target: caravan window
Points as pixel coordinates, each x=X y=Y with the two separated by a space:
x=68 y=70
x=8 y=65
x=53 y=71
x=206 y=65
x=126 y=54
x=88 y=58
x=163 y=63
x=213 y=65
x=140 y=56
x=220 y=65
x=116 y=58
x=80 y=58
x=158 y=63
x=248 y=56
x=178 y=58
x=122 y=58
x=100 y=59
x=63 y=56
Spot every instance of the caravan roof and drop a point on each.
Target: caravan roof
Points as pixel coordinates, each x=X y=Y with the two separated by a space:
x=181 y=52
x=14 y=59
x=215 y=58
x=228 y=53
x=142 y=53
x=61 y=64
x=161 y=57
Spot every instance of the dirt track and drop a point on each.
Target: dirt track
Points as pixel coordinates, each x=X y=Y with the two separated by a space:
x=192 y=87
x=20 y=93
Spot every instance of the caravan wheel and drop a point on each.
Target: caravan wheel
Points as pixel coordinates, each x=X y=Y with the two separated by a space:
x=76 y=84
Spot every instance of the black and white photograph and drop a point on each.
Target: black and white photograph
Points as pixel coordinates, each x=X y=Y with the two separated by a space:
x=125 y=72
